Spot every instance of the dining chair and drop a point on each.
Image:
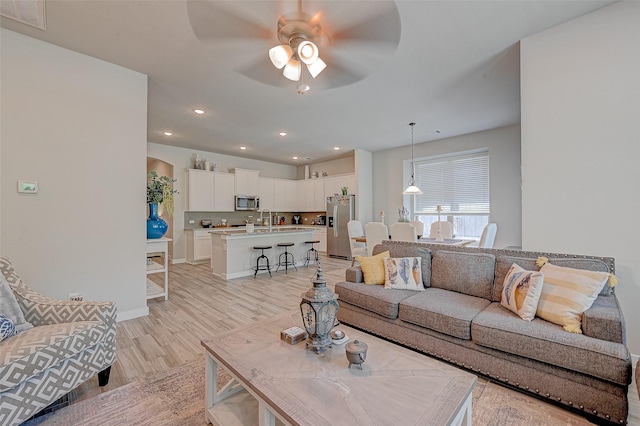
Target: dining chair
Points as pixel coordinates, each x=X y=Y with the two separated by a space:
x=376 y=232
x=488 y=236
x=419 y=227
x=446 y=229
x=403 y=231
x=354 y=229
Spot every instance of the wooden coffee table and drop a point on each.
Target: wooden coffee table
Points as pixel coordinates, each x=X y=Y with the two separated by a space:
x=274 y=382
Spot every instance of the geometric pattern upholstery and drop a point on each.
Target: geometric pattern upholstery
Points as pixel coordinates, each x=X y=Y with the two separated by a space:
x=71 y=342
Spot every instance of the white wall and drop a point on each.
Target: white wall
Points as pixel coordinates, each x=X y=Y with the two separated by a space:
x=581 y=144
x=389 y=179
x=77 y=126
x=181 y=158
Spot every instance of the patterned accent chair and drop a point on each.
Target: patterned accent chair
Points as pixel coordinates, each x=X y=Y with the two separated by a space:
x=69 y=343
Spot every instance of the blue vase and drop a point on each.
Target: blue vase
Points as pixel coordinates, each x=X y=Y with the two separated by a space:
x=156 y=226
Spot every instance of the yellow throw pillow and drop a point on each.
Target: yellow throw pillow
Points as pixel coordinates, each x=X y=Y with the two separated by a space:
x=567 y=293
x=373 y=267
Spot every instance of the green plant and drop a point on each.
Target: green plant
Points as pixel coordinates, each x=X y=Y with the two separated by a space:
x=160 y=190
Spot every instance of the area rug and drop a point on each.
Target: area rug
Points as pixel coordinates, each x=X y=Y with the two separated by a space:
x=176 y=397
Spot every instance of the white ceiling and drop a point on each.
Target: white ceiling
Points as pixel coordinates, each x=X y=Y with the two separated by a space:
x=455 y=69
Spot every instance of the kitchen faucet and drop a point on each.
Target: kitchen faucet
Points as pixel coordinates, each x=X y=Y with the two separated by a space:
x=269 y=211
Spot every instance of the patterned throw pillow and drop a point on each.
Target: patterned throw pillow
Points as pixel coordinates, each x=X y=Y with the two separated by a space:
x=521 y=291
x=10 y=307
x=567 y=293
x=403 y=273
x=373 y=267
x=7 y=328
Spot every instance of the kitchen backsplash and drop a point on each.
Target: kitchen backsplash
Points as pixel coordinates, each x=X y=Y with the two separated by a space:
x=238 y=218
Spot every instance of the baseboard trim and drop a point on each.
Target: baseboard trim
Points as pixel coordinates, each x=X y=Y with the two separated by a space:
x=133 y=313
x=182 y=260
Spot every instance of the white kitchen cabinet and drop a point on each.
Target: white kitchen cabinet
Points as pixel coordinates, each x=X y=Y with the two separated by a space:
x=319 y=198
x=280 y=201
x=198 y=246
x=224 y=200
x=246 y=181
x=291 y=197
x=266 y=193
x=210 y=191
x=320 y=234
x=199 y=191
x=334 y=184
x=308 y=195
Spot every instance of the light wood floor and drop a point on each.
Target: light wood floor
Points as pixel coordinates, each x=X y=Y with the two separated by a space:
x=201 y=305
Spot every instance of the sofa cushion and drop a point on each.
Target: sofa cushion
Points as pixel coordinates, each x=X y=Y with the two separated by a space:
x=567 y=293
x=373 y=298
x=466 y=273
x=497 y=328
x=503 y=263
x=522 y=291
x=403 y=273
x=373 y=267
x=37 y=349
x=409 y=250
x=444 y=311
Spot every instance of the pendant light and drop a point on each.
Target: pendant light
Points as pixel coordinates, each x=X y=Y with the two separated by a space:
x=412 y=189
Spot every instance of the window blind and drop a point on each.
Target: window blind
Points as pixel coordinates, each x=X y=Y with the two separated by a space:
x=459 y=184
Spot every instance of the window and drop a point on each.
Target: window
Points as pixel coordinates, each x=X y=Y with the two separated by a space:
x=458 y=183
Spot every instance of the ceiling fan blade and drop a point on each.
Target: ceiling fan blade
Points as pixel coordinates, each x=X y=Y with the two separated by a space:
x=263 y=71
x=381 y=27
x=214 y=21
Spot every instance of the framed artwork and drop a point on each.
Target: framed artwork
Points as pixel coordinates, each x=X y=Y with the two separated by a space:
x=25 y=187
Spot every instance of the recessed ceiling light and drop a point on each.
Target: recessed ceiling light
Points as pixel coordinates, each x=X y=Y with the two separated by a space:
x=295 y=158
x=198 y=111
x=243 y=147
x=168 y=133
x=336 y=148
x=435 y=132
x=283 y=133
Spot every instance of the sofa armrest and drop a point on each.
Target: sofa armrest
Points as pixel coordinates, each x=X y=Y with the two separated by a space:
x=42 y=310
x=604 y=320
x=354 y=274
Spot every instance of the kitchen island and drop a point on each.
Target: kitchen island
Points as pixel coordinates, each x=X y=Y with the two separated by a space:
x=233 y=256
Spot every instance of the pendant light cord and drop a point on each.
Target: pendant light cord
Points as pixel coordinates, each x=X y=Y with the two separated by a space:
x=413 y=180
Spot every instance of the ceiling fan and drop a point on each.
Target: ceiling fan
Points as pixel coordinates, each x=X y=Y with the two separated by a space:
x=337 y=42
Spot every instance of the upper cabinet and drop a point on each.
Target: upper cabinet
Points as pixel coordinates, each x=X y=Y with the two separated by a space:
x=333 y=185
x=247 y=181
x=209 y=191
x=266 y=192
x=199 y=191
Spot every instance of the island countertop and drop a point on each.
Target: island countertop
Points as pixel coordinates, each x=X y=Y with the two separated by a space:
x=233 y=254
x=259 y=231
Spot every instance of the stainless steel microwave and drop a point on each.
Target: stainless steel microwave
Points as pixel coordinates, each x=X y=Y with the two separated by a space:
x=247 y=202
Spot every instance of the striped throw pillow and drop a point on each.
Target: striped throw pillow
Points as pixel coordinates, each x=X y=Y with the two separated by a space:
x=567 y=293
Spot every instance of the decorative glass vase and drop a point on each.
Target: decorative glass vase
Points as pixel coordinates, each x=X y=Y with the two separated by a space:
x=156 y=226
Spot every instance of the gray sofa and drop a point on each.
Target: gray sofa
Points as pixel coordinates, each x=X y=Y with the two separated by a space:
x=459 y=319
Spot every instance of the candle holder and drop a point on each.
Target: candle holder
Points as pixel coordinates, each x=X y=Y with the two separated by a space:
x=439 y=236
x=319 y=309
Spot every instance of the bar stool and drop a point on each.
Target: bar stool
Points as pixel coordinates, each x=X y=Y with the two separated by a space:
x=312 y=252
x=262 y=267
x=286 y=255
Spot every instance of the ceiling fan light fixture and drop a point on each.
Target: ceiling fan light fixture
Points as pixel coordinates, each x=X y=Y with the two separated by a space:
x=308 y=52
x=280 y=55
x=292 y=70
x=316 y=67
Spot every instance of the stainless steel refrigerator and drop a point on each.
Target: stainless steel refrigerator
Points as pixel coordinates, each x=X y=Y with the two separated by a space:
x=340 y=210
